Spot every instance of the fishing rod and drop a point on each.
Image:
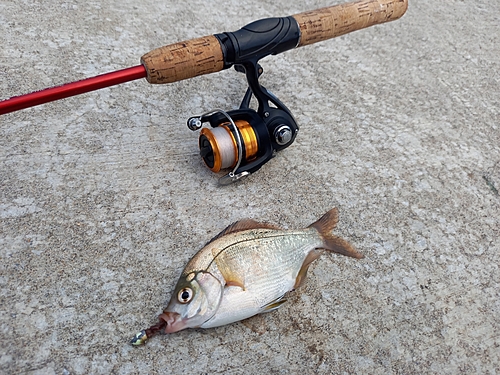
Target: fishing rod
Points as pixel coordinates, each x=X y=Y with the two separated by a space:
x=244 y=139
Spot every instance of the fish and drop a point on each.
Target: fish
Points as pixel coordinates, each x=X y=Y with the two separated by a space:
x=247 y=269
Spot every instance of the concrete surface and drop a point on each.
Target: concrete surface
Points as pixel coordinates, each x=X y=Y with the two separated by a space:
x=103 y=198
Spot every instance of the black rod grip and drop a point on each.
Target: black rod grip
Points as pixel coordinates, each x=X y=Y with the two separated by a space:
x=259 y=39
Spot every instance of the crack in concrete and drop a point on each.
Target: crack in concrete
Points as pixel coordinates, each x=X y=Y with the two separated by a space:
x=490 y=184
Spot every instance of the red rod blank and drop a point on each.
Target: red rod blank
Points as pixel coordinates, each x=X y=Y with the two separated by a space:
x=17 y=103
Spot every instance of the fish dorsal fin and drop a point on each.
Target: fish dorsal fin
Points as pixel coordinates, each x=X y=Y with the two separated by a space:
x=242 y=225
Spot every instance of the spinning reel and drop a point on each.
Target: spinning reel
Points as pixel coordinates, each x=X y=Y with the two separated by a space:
x=244 y=139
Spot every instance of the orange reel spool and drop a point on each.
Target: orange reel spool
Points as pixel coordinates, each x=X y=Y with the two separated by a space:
x=219 y=145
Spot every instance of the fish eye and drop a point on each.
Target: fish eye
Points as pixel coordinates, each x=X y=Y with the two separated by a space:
x=185 y=295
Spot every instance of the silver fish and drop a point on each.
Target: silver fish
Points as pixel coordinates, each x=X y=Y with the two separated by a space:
x=245 y=270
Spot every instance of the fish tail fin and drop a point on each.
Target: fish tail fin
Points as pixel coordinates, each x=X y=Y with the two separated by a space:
x=331 y=242
x=327 y=222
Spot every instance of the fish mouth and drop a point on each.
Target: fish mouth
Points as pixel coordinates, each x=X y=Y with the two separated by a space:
x=174 y=321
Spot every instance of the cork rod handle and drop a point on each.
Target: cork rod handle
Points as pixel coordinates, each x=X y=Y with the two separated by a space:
x=183 y=60
x=330 y=22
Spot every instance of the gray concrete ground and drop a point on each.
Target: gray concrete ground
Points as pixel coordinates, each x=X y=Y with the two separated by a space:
x=103 y=198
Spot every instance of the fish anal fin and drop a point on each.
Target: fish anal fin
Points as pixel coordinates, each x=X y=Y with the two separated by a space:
x=311 y=257
x=242 y=225
x=340 y=246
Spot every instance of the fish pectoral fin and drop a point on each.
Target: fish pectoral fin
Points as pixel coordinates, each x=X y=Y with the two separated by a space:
x=235 y=283
x=301 y=276
x=230 y=270
x=273 y=305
